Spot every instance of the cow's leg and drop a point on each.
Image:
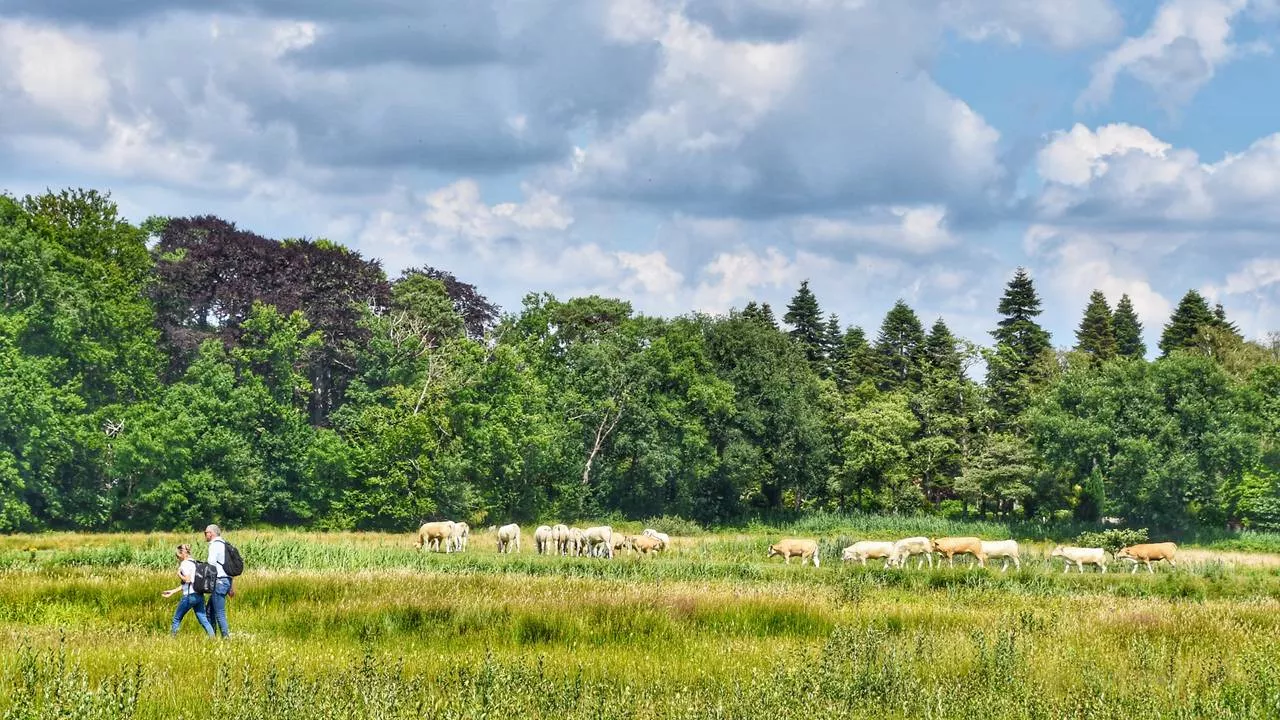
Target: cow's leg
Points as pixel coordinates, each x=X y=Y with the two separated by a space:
x=1005 y=566
x=1149 y=569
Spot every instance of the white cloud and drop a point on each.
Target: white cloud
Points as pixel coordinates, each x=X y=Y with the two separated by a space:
x=1187 y=42
x=918 y=230
x=1065 y=24
x=1255 y=275
x=54 y=71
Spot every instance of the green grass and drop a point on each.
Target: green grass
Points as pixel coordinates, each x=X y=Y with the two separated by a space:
x=364 y=626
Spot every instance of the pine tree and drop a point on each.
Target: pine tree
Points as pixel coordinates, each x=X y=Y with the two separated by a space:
x=831 y=338
x=900 y=348
x=1020 y=344
x=805 y=318
x=1128 y=330
x=1191 y=314
x=1220 y=321
x=766 y=315
x=855 y=361
x=940 y=350
x=1096 y=334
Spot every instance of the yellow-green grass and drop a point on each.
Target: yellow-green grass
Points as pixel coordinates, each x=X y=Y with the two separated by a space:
x=362 y=625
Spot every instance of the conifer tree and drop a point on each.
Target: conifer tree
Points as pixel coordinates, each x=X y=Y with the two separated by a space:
x=831 y=338
x=900 y=348
x=1096 y=334
x=1128 y=330
x=1191 y=314
x=807 y=328
x=855 y=361
x=766 y=315
x=1220 y=321
x=1020 y=343
x=940 y=350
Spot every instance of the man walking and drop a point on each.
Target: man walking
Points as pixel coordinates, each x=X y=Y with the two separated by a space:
x=217 y=608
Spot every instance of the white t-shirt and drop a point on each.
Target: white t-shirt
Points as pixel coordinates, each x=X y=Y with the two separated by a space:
x=187 y=569
x=218 y=555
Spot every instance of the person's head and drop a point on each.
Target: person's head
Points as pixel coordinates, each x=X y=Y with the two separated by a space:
x=184 y=551
x=212 y=532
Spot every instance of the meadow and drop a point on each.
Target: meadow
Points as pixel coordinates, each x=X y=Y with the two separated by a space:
x=361 y=625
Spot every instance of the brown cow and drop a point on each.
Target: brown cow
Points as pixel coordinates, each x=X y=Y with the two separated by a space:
x=1149 y=552
x=791 y=547
x=645 y=545
x=432 y=534
x=949 y=547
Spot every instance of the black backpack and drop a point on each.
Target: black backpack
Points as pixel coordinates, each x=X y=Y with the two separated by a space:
x=204 y=579
x=232 y=563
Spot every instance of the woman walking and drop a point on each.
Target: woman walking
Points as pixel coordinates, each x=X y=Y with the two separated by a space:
x=191 y=600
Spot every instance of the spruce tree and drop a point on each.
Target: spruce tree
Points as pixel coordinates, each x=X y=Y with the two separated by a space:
x=807 y=328
x=1096 y=334
x=1220 y=321
x=1128 y=330
x=855 y=361
x=1191 y=314
x=831 y=338
x=1020 y=343
x=900 y=348
x=940 y=350
x=766 y=315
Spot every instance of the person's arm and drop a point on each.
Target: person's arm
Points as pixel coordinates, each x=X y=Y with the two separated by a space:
x=184 y=579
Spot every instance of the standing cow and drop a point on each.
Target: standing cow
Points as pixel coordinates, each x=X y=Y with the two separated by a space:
x=791 y=547
x=1005 y=549
x=950 y=547
x=1148 y=553
x=1081 y=557
x=542 y=539
x=906 y=547
x=431 y=535
x=508 y=535
x=869 y=549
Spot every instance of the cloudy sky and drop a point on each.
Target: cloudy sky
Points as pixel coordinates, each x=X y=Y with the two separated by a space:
x=690 y=154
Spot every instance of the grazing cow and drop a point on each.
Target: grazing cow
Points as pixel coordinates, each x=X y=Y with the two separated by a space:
x=791 y=547
x=867 y=549
x=575 y=544
x=1148 y=553
x=432 y=534
x=906 y=547
x=621 y=542
x=460 y=537
x=646 y=544
x=661 y=537
x=560 y=538
x=542 y=539
x=1081 y=557
x=1006 y=549
x=508 y=535
x=598 y=541
x=950 y=547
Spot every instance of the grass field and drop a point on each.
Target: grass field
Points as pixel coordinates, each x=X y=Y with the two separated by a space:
x=363 y=626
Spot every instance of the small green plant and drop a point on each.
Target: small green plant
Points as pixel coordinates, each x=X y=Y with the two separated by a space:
x=1112 y=540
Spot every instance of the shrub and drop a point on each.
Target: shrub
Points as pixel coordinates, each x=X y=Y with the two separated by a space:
x=674 y=525
x=1112 y=540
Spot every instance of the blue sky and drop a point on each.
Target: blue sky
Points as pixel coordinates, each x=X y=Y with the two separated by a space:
x=691 y=154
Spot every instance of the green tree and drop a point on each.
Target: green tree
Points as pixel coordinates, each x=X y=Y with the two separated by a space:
x=1013 y=370
x=855 y=362
x=1096 y=334
x=1128 y=330
x=1001 y=476
x=874 y=474
x=805 y=318
x=900 y=348
x=1191 y=314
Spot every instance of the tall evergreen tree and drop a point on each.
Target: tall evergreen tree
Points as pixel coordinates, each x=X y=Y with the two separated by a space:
x=767 y=316
x=940 y=350
x=1220 y=321
x=1020 y=343
x=831 y=339
x=1128 y=330
x=1096 y=334
x=900 y=348
x=805 y=318
x=855 y=361
x=1191 y=314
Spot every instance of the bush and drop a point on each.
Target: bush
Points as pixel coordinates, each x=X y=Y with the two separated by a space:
x=1112 y=540
x=674 y=525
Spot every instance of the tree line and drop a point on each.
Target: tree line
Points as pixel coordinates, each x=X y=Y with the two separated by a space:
x=184 y=370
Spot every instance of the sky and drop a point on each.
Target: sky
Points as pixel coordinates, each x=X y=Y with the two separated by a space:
x=691 y=154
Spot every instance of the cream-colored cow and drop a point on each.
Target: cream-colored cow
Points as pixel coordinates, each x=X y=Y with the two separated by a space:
x=869 y=549
x=542 y=542
x=661 y=537
x=792 y=547
x=907 y=547
x=461 y=536
x=575 y=544
x=432 y=534
x=645 y=544
x=621 y=542
x=1081 y=557
x=1148 y=553
x=508 y=535
x=1005 y=549
x=560 y=537
x=598 y=541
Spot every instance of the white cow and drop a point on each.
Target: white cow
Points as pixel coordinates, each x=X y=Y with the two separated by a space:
x=461 y=534
x=574 y=545
x=598 y=541
x=661 y=537
x=560 y=538
x=432 y=534
x=1007 y=549
x=542 y=539
x=1081 y=557
x=918 y=546
x=508 y=535
x=867 y=549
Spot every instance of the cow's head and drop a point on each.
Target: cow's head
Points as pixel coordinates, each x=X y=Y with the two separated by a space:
x=1124 y=553
x=848 y=553
x=773 y=550
x=1057 y=552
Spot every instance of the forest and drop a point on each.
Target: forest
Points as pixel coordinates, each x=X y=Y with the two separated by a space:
x=185 y=371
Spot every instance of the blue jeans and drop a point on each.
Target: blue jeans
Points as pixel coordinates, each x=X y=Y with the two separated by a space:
x=194 y=601
x=217 y=609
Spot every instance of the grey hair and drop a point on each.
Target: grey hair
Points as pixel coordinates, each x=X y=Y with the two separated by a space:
x=214 y=529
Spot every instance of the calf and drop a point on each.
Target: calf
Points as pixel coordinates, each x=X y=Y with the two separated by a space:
x=867 y=549
x=1148 y=553
x=508 y=535
x=791 y=547
x=1006 y=549
x=950 y=547
x=1081 y=557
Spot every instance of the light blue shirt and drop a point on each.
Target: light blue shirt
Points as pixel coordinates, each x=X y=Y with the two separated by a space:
x=218 y=555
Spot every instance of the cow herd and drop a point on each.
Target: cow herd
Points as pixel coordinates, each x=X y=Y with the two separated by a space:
x=605 y=542
x=599 y=541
